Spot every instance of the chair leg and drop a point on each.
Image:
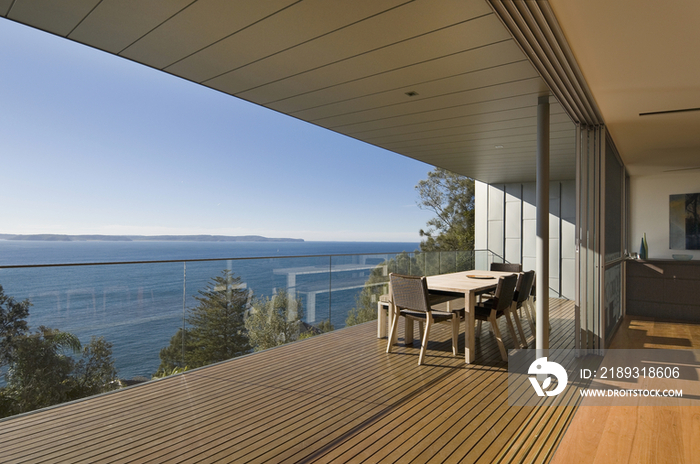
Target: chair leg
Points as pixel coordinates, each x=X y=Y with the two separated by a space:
x=499 y=339
x=526 y=309
x=511 y=328
x=382 y=317
x=424 y=343
x=394 y=317
x=531 y=309
x=392 y=332
x=478 y=328
x=518 y=325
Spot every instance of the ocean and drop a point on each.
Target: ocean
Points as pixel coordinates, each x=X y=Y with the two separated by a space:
x=139 y=307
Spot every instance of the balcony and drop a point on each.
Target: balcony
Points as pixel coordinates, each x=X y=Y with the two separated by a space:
x=336 y=397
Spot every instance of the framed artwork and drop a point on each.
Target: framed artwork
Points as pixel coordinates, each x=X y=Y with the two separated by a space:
x=684 y=221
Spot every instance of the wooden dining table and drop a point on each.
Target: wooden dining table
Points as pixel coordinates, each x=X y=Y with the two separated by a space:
x=467 y=284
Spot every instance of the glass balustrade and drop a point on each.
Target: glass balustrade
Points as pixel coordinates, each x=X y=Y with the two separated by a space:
x=162 y=317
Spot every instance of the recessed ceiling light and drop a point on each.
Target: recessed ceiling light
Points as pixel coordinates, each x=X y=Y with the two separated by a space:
x=412 y=93
x=498 y=146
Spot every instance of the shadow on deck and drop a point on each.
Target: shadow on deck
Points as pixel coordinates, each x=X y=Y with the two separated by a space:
x=337 y=397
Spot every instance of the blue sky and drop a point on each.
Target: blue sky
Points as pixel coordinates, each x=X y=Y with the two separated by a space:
x=95 y=144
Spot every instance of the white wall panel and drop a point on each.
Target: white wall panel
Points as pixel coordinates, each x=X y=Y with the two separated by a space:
x=496 y=237
x=529 y=238
x=513 y=225
x=481 y=192
x=495 y=205
x=511 y=208
x=496 y=215
x=512 y=251
x=529 y=263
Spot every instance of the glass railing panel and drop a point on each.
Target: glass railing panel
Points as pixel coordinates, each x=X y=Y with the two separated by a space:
x=447 y=261
x=357 y=287
x=271 y=301
x=428 y=263
x=306 y=282
x=465 y=260
x=91 y=329
x=156 y=315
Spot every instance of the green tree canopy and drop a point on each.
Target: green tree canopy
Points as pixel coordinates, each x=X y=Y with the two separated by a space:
x=42 y=373
x=216 y=327
x=39 y=374
x=172 y=358
x=94 y=372
x=13 y=325
x=451 y=197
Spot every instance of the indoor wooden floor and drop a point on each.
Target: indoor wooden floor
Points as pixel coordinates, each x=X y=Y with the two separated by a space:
x=641 y=434
x=336 y=397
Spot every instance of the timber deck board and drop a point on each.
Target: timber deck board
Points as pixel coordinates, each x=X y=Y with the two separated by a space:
x=336 y=397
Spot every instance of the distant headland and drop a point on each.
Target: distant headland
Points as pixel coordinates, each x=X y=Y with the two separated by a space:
x=145 y=238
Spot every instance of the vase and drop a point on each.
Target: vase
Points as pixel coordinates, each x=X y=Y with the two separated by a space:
x=644 y=248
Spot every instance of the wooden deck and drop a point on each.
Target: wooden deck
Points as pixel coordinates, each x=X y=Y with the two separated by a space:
x=336 y=397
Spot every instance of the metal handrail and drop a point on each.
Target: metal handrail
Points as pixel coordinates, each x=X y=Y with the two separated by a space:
x=198 y=260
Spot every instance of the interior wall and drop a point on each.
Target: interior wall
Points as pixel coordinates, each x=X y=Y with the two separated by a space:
x=505 y=219
x=649 y=210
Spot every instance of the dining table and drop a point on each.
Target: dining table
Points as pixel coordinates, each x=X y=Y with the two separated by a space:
x=467 y=284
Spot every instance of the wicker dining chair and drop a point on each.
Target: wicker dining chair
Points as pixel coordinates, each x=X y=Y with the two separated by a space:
x=411 y=301
x=500 y=267
x=506 y=267
x=500 y=305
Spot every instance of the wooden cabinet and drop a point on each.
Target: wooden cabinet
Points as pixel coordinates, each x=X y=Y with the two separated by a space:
x=664 y=289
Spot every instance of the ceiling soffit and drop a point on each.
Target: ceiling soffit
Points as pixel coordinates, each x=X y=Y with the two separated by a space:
x=447 y=86
x=641 y=59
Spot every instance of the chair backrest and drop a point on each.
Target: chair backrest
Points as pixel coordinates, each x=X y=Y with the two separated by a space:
x=524 y=287
x=507 y=267
x=504 y=292
x=409 y=292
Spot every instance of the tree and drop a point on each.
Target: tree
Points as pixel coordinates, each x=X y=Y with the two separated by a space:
x=40 y=371
x=274 y=321
x=216 y=330
x=94 y=373
x=13 y=325
x=39 y=374
x=325 y=326
x=174 y=355
x=451 y=197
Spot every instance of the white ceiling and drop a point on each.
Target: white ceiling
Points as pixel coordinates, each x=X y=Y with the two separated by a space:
x=346 y=66
x=640 y=56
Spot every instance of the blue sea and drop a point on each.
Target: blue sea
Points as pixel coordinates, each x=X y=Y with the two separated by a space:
x=139 y=307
